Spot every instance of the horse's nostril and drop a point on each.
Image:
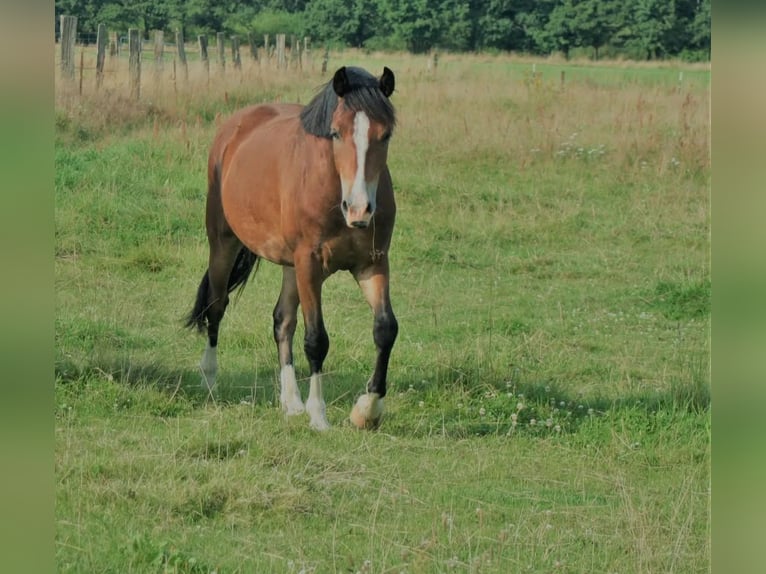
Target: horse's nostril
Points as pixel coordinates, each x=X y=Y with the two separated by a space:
x=344 y=205
x=369 y=208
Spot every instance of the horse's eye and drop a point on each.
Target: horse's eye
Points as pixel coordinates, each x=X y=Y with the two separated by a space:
x=386 y=136
x=334 y=134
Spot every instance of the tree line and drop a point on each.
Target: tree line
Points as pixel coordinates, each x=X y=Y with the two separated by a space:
x=635 y=29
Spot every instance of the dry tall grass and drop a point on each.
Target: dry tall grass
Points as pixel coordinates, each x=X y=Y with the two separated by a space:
x=523 y=117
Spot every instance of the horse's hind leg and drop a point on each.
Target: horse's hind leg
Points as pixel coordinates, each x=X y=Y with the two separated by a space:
x=285 y=320
x=223 y=254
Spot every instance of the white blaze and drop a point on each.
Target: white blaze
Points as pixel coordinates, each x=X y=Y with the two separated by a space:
x=362 y=192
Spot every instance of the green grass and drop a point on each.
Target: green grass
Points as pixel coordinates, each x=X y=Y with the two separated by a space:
x=548 y=407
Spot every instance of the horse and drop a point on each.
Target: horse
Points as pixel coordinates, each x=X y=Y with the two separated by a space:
x=307 y=188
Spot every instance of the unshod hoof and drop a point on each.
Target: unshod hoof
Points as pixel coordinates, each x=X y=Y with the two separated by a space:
x=367 y=412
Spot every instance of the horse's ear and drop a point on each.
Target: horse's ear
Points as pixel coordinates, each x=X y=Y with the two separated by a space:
x=387 y=82
x=340 y=82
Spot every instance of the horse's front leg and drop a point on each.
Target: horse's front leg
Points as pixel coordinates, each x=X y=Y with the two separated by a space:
x=368 y=409
x=285 y=320
x=316 y=343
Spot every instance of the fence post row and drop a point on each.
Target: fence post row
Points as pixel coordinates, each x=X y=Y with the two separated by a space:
x=109 y=40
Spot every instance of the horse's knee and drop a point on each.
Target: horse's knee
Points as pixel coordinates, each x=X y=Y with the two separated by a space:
x=316 y=343
x=385 y=329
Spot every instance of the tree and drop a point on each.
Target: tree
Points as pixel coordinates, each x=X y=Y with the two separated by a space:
x=595 y=21
x=653 y=19
x=636 y=28
x=338 y=20
x=84 y=10
x=416 y=23
x=454 y=24
x=559 y=32
x=530 y=19
x=699 y=36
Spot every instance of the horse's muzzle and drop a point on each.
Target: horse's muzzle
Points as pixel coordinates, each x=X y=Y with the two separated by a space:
x=357 y=217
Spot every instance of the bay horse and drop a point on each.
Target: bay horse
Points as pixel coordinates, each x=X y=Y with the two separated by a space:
x=307 y=188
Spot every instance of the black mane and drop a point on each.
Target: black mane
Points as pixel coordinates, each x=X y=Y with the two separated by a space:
x=364 y=95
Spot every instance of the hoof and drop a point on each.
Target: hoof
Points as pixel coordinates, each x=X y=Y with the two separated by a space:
x=290 y=395
x=367 y=412
x=207 y=381
x=292 y=406
x=320 y=425
x=317 y=414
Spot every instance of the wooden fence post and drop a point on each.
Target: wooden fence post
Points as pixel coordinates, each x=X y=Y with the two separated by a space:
x=114 y=45
x=281 y=61
x=235 y=58
x=295 y=53
x=433 y=62
x=253 y=46
x=305 y=52
x=203 y=55
x=134 y=63
x=67 y=41
x=182 y=53
x=325 y=59
x=159 y=46
x=82 y=68
x=221 y=52
x=100 y=54
x=159 y=54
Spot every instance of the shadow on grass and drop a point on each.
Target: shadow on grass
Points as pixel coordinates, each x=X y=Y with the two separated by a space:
x=233 y=387
x=184 y=383
x=452 y=406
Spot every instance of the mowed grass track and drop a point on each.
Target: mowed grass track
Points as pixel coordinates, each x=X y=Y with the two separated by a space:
x=548 y=407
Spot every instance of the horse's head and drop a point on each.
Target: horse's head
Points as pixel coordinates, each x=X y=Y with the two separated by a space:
x=361 y=127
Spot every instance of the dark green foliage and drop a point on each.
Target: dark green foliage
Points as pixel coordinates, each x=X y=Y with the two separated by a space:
x=640 y=29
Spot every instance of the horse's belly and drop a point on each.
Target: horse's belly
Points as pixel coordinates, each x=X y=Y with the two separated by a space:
x=258 y=227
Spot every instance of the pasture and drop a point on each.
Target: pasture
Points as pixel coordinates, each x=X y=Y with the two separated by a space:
x=548 y=406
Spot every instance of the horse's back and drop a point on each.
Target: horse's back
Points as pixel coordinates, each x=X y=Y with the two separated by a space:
x=244 y=122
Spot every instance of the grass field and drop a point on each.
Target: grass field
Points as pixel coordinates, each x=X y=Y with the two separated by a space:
x=548 y=406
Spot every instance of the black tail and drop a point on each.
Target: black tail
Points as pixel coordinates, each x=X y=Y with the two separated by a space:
x=243 y=267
